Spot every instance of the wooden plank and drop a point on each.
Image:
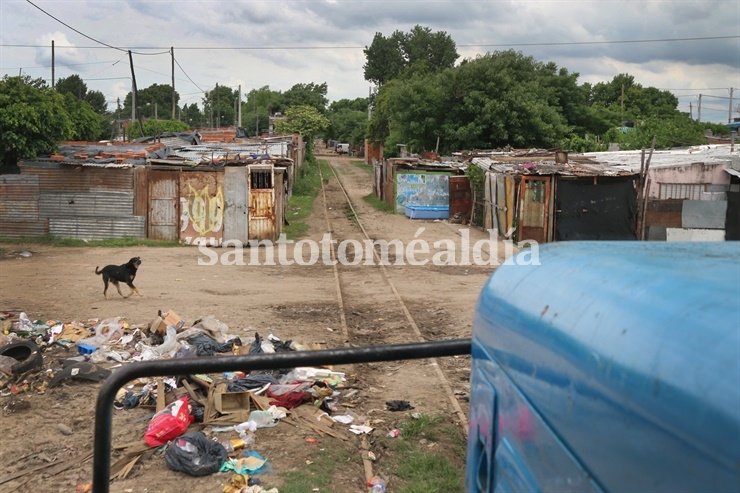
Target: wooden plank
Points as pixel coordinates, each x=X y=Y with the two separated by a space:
x=160 y=394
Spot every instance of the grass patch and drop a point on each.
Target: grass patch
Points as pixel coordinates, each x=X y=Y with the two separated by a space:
x=73 y=242
x=366 y=167
x=428 y=457
x=318 y=474
x=374 y=201
x=305 y=190
x=350 y=214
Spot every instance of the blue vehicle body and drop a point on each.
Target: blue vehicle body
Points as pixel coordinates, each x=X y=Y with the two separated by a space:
x=609 y=367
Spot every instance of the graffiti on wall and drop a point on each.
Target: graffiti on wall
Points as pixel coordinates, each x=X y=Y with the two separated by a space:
x=421 y=189
x=202 y=217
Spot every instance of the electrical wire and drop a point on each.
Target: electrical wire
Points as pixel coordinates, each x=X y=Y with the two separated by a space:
x=479 y=45
x=57 y=65
x=85 y=35
x=186 y=74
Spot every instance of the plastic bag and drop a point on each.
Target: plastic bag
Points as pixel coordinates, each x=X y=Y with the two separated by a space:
x=110 y=329
x=194 y=454
x=168 y=348
x=169 y=423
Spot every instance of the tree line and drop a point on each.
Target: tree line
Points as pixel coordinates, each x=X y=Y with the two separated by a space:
x=422 y=98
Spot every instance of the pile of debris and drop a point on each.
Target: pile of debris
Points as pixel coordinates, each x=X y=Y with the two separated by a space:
x=200 y=423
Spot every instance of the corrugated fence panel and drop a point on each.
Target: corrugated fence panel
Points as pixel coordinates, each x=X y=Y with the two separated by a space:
x=235 y=212
x=98 y=228
x=141 y=191
x=19 y=198
x=90 y=204
x=55 y=177
x=25 y=229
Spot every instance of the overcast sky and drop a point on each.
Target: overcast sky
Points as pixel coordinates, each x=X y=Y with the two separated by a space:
x=279 y=44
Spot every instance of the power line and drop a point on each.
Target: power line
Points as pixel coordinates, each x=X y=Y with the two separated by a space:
x=480 y=45
x=56 y=64
x=85 y=35
x=186 y=74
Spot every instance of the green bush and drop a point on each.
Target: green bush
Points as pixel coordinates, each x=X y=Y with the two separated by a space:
x=154 y=127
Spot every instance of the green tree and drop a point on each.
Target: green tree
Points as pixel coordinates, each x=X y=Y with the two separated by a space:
x=73 y=85
x=387 y=58
x=85 y=122
x=155 y=98
x=96 y=100
x=256 y=110
x=311 y=94
x=305 y=120
x=192 y=116
x=32 y=119
x=218 y=106
x=154 y=127
x=348 y=121
x=630 y=100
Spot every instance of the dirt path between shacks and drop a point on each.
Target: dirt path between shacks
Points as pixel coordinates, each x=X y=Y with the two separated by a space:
x=292 y=301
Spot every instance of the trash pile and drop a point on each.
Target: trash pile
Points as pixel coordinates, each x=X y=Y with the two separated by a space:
x=202 y=423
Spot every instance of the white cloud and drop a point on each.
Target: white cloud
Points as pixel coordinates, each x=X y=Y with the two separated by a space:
x=532 y=26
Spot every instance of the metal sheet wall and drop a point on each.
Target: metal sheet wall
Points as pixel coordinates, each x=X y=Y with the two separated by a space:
x=236 y=218
x=163 y=216
x=202 y=208
x=55 y=177
x=87 y=204
x=98 y=228
x=19 y=207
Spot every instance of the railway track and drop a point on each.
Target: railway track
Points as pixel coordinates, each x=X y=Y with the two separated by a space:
x=371 y=307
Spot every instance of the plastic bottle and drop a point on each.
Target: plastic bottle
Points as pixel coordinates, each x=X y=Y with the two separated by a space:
x=378 y=485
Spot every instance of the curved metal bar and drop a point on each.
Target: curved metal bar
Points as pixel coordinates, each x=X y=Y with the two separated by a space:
x=246 y=363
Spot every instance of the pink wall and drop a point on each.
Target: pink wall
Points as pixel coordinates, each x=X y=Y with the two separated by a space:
x=696 y=173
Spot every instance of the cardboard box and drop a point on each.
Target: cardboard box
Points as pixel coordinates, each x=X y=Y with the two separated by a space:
x=169 y=319
x=231 y=402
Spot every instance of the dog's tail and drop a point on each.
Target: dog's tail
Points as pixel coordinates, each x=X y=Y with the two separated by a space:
x=97 y=271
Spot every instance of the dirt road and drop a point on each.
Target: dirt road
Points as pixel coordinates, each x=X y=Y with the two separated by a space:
x=297 y=302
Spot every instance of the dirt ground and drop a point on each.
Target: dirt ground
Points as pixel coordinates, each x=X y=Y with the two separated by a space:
x=292 y=301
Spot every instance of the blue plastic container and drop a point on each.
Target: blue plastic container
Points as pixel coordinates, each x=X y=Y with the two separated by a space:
x=611 y=366
x=428 y=211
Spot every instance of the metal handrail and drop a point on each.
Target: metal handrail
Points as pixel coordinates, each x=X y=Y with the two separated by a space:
x=246 y=363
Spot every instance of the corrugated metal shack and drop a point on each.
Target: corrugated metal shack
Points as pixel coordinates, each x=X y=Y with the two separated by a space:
x=194 y=194
x=529 y=195
x=689 y=192
x=413 y=181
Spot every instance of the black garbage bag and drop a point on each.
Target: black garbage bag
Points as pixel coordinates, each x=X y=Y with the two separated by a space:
x=251 y=382
x=208 y=346
x=397 y=405
x=256 y=347
x=197 y=411
x=194 y=454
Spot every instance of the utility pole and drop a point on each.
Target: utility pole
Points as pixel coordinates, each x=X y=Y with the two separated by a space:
x=256 y=118
x=52 y=65
x=172 y=51
x=133 y=95
x=698 y=109
x=691 y=110
x=235 y=101
x=622 y=99
x=239 y=110
x=218 y=108
x=729 y=111
x=155 y=111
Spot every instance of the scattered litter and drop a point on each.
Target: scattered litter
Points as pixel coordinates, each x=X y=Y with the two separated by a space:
x=360 y=429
